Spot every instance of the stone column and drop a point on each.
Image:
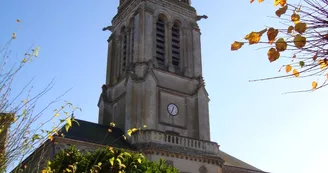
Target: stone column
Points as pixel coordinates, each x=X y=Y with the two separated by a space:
x=169 y=47
x=197 y=52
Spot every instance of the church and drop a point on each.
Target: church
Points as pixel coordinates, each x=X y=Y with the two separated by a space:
x=154 y=78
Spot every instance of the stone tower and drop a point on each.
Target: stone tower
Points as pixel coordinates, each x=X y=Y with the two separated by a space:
x=154 y=78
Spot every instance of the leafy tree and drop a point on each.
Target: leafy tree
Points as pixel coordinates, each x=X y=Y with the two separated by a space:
x=105 y=160
x=303 y=40
x=20 y=131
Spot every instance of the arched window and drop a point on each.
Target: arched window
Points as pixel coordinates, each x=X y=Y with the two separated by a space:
x=124 y=49
x=160 y=41
x=176 y=57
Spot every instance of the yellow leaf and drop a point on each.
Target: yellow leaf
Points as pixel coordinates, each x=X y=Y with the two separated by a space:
x=112 y=124
x=124 y=137
x=323 y=63
x=13 y=36
x=129 y=132
x=254 y=37
x=236 y=45
x=295 y=18
x=290 y=29
x=69 y=121
x=281 y=45
x=282 y=10
x=314 y=85
x=276 y=2
x=260 y=1
x=296 y=73
x=300 y=27
x=110 y=130
x=139 y=160
x=288 y=68
x=57 y=114
x=272 y=34
x=36 y=51
x=273 y=54
x=299 y=41
x=50 y=137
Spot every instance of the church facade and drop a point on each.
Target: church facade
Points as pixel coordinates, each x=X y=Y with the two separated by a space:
x=154 y=78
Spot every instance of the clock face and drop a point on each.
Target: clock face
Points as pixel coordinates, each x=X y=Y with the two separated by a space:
x=173 y=109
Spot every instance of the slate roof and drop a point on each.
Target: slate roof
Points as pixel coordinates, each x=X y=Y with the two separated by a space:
x=232 y=161
x=97 y=133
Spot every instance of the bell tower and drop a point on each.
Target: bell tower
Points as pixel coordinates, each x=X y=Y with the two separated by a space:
x=154 y=78
x=154 y=69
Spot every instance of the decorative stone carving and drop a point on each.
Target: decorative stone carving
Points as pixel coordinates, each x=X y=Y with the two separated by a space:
x=203 y=169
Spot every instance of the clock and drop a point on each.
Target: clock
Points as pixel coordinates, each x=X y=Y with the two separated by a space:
x=172 y=109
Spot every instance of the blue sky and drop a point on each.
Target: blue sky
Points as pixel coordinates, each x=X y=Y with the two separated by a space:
x=253 y=121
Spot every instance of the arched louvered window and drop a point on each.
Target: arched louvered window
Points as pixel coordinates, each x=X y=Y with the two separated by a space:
x=124 y=49
x=176 y=56
x=160 y=41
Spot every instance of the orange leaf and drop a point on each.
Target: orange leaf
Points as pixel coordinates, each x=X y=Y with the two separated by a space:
x=296 y=73
x=295 y=18
x=272 y=34
x=252 y=1
x=281 y=11
x=236 y=45
x=254 y=37
x=273 y=54
x=314 y=85
x=283 y=2
x=18 y=21
x=315 y=57
x=260 y=1
x=288 y=68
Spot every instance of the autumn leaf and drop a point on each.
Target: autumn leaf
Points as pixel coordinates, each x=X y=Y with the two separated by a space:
x=272 y=34
x=281 y=45
x=254 y=37
x=18 y=21
x=296 y=73
x=251 y=1
x=299 y=41
x=282 y=11
x=290 y=29
x=281 y=2
x=110 y=130
x=314 y=85
x=273 y=54
x=50 y=137
x=260 y=1
x=302 y=63
x=236 y=45
x=315 y=57
x=295 y=18
x=323 y=63
x=288 y=68
x=300 y=27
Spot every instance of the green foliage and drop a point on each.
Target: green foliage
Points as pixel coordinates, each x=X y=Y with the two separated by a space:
x=105 y=160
